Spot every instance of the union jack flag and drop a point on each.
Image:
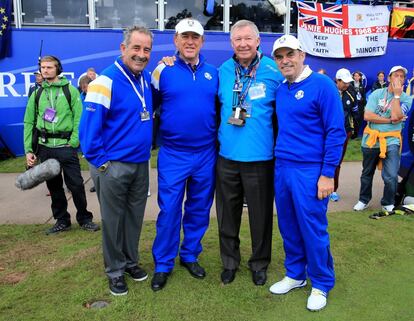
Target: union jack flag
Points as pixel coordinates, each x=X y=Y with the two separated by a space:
x=327 y=15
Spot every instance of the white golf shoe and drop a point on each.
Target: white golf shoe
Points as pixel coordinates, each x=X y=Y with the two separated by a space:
x=287 y=284
x=316 y=300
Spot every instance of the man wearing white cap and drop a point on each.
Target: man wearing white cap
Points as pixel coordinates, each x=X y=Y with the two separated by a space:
x=185 y=94
x=308 y=149
x=343 y=81
x=384 y=112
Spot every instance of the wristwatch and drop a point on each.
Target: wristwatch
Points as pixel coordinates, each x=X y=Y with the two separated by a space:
x=104 y=166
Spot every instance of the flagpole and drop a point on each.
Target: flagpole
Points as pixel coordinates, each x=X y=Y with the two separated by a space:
x=287 y=17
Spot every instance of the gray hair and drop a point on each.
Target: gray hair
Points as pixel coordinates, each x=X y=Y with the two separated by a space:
x=141 y=29
x=242 y=24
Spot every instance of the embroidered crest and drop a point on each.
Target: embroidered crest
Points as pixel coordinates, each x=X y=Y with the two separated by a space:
x=208 y=76
x=299 y=94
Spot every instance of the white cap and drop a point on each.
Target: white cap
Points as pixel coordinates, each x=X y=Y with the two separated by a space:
x=189 y=25
x=395 y=68
x=344 y=75
x=286 y=41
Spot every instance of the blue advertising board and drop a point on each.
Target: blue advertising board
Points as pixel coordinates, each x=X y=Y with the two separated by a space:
x=80 y=49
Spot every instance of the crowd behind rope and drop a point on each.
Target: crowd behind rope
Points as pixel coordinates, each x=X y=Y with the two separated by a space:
x=222 y=135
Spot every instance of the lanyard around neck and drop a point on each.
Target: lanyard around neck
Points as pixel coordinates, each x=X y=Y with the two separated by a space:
x=141 y=98
x=48 y=93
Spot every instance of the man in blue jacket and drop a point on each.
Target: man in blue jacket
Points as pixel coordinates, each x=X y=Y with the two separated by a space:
x=115 y=134
x=186 y=95
x=308 y=150
x=248 y=83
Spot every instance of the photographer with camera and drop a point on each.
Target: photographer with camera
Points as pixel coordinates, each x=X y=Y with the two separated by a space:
x=53 y=115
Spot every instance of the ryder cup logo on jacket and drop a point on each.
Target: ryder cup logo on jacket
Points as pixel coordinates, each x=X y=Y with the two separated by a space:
x=208 y=76
x=299 y=94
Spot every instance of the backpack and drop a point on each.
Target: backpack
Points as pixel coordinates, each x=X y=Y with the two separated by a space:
x=66 y=92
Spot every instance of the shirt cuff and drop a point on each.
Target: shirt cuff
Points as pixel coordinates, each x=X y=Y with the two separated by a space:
x=328 y=171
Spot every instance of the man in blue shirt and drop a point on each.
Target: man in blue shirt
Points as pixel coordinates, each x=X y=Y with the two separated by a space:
x=248 y=83
x=185 y=94
x=115 y=134
x=308 y=149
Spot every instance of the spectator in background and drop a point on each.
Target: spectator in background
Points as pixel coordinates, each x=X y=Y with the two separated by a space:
x=361 y=101
x=381 y=142
x=91 y=73
x=83 y=86
x=37 y=84
x=343 y=82
x=380 y=82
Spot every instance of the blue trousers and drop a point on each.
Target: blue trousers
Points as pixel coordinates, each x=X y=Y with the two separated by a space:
x=182 y=172
x=303 y=224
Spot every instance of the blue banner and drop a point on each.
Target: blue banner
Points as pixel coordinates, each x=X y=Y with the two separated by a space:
x=5 y=29
x=80 y=49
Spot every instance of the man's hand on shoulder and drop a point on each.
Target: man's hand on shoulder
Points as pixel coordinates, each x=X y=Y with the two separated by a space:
x=168 y=60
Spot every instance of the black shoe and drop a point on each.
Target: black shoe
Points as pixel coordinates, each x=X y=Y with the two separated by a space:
x=159 y=280
x=57 y=228
x=227 y=276
x=136 y=273
x=117 y=286
x=90 y=226
x=92 y=189
x=195 y=269
x=259 y=277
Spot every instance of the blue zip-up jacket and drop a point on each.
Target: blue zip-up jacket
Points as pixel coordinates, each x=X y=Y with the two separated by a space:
x=255 y=140
x=111 y=128
x=187 y=102
x=311 y=131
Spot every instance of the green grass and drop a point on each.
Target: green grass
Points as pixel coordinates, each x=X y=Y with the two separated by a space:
x=353 y=150
x=17 y=165
x=53 y=277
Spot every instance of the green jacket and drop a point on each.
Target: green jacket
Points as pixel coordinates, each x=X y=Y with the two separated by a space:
x=66 y=120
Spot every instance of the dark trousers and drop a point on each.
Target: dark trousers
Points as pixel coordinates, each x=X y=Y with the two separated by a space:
x=338 y=168
x=69 y=163
x=255 y=181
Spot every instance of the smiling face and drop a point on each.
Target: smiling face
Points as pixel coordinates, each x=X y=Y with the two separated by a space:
x=290 y=62
x=189 y=45
x=245 y=42
x=136 y=52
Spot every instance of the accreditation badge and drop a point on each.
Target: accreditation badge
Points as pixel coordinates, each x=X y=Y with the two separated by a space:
x=145 y=116
x=257 y=91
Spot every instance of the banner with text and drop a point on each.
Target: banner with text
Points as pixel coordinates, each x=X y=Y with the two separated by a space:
x=343 y=31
